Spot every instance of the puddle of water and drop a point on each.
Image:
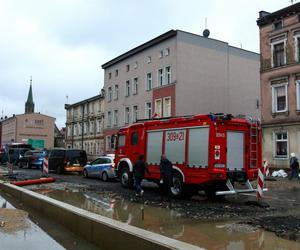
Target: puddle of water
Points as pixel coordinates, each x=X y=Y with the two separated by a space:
x=18 y=232
x=169 y=223
x=36 y=232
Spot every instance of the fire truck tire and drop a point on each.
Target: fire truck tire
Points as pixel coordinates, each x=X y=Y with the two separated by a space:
x=126 y=178
x=177 y=190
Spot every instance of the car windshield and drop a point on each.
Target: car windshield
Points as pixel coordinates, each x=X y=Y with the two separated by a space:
x=28 y=153
x=23 y=151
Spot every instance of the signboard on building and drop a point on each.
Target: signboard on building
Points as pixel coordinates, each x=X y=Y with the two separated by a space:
x=36 y=143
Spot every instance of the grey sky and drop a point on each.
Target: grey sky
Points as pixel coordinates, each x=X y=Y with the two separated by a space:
x=63 y=43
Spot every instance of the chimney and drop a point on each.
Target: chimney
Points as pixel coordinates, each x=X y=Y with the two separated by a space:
x=263 y=13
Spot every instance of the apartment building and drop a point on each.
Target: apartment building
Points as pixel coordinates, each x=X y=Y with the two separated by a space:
x=84 y=125
x=280 y=83
x=179 y=73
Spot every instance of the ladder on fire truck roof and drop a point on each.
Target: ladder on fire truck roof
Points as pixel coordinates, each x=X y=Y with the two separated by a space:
x=253 y=140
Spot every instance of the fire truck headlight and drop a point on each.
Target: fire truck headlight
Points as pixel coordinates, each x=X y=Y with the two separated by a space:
x=219 y=165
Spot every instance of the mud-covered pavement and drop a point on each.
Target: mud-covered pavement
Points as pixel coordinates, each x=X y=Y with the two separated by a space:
x=279 y=211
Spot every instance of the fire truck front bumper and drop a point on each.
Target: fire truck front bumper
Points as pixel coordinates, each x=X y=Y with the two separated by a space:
x=231 y=190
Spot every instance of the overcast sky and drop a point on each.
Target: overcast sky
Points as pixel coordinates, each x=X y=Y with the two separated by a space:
x=63 y=43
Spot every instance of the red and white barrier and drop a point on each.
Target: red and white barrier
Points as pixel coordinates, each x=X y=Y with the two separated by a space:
x=262 y=172
x=260 y=183
x=45 y=166
x=266 y=169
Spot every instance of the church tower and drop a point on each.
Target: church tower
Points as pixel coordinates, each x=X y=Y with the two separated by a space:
x=29 y=104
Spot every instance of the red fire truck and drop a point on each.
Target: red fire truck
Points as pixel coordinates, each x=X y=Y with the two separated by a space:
x=210 y=152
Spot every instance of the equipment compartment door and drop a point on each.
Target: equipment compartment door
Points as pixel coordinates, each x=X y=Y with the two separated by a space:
x=235 y=150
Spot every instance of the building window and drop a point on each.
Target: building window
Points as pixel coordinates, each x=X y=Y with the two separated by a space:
x=74 y=129
x=281 y=145
x=277 y=25
x=109 y=94
x=108 y=143
x=134 y=113
x=116 y=118
x=92 y=108
x=279 y=55
x=135 y=86
x=279 y=98
x=109 y=75
x=149 y=81
x=167 y=107
x=278 y=51
x=127 y=88
x=116 y=92
x=298 y=94
x=149 y=59
x=91 y=127
x=160 y=77
x=135 y=65
x=297 y=45
x=87 y=127
x=98 y=126
x=168 y=75
x=108 y=119
x=148 y=110
x=79 y=128
x=167 y=52
x=127 y=115
x=127 y=67
x=161 y=54
x=157 y=108
x=116 y=72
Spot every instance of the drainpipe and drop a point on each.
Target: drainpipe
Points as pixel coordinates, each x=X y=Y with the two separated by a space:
x=82 y=127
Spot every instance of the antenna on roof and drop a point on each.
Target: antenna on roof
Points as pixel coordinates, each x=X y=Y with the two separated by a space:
x=67 y=99
x=206 y=32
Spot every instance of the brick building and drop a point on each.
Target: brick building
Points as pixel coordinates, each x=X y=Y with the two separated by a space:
x=280 y=83
x=179 y=73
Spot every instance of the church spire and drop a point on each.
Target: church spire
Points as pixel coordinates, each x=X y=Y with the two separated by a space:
x=29 y=105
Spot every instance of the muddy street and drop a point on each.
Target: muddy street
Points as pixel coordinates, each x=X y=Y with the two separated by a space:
x=278 y=212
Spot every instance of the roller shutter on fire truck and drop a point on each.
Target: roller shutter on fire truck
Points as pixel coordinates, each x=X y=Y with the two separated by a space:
x=175 y=146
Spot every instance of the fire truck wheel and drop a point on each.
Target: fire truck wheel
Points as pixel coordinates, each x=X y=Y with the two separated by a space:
x=126 y=178
x=177 y=189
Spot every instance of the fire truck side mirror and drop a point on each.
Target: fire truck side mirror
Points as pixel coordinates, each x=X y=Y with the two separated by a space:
x=113 y=140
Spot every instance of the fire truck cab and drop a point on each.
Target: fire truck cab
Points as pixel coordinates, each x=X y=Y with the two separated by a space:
x=209 y=152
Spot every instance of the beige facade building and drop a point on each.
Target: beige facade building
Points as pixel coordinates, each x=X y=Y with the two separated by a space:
x=33 y=128
x=280 y=83
x=179 y=73
x=84 y=126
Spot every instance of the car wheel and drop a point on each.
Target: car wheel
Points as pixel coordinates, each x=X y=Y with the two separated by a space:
x=126 y=178
x=59 y=169
x=85 y=173
x=104 y=176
